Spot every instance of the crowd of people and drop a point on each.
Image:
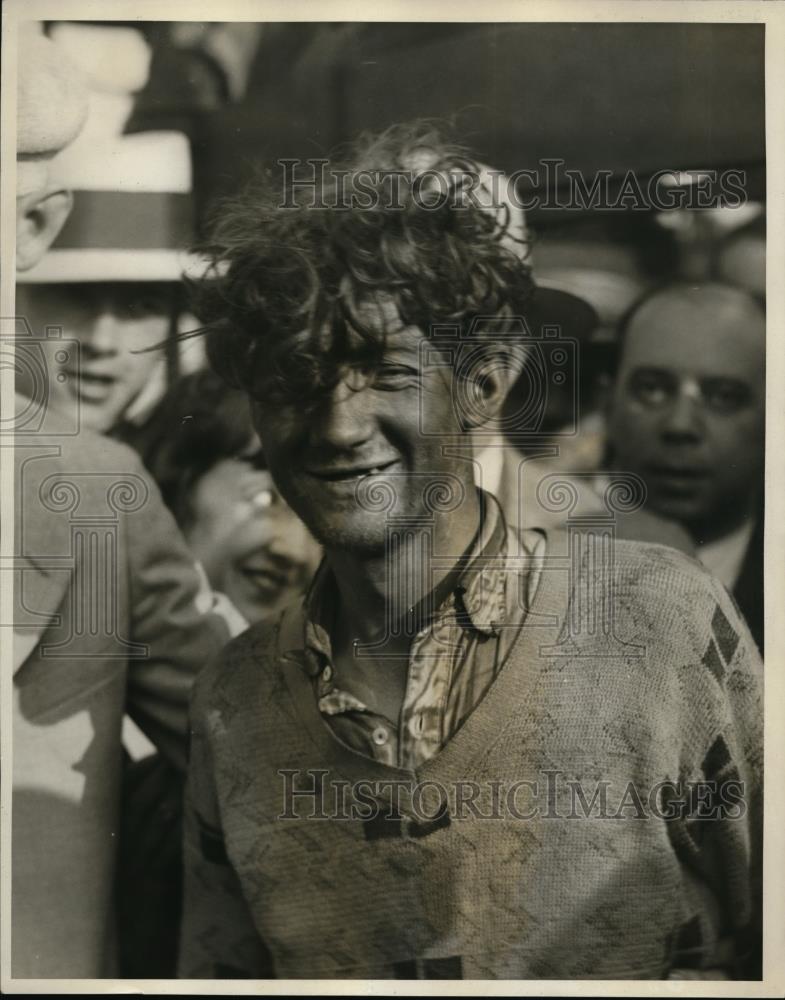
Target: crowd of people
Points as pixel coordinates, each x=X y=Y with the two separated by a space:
x=291 y=503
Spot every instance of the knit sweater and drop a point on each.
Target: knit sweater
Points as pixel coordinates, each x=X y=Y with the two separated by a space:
x=614 y=819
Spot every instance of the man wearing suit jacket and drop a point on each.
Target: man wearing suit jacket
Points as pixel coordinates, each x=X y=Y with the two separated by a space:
x=687 y=414
x=105 y=615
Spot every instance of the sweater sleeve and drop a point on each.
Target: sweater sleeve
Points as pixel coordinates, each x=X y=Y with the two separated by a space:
x=719 y=832
x=218 y=937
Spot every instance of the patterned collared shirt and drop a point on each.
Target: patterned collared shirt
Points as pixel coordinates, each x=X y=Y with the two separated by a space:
x=453 y=658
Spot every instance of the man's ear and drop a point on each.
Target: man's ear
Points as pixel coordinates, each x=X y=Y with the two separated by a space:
x=39 y=218
x=487 y=381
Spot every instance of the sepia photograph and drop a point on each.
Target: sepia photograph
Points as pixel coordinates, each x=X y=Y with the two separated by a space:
x=389 y=528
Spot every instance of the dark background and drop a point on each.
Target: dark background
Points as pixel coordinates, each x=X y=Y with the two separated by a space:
x=614 y=97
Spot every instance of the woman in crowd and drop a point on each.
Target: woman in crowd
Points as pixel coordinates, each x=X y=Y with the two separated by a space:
x=208 y=463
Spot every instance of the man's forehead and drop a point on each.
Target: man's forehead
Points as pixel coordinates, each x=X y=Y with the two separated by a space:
x=697 y=330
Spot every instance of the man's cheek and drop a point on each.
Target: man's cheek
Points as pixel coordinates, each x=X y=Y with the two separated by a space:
x=629 y=433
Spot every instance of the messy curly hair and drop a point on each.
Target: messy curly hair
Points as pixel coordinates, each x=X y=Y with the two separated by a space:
x=293 y=294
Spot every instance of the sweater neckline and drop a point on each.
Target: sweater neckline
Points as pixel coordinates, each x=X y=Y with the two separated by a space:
x=514 y=683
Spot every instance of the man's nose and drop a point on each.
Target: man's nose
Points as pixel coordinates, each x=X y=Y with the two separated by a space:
x=101 y=335
x=684 y=418
x=344 y=419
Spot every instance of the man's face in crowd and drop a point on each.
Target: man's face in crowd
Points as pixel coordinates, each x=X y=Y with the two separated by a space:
x=110 y=321
x=688 y=406
x=252 y=546
x=358 y=455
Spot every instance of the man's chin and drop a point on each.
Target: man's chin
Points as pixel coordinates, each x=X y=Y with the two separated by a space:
x=687 y=510
x=89 y=416
x=98 y=417
x=341 y=524
x=363 y=544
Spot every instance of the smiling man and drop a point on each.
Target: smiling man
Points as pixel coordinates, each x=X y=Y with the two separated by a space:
x=688 y=416
x=445 y=762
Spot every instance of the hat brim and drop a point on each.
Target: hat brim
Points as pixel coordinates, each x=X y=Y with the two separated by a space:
x=78 y=265
x=553 y=307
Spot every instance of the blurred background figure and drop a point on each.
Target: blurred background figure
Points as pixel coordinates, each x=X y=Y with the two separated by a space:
x=687 y=415
x=210 y=468
x=111 y=282
x=52 y=107
x=67 y=721
x=108 y=291
x=609 y=262
x=741 y=256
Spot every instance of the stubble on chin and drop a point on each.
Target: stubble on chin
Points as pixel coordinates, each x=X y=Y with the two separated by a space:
x=362 y=541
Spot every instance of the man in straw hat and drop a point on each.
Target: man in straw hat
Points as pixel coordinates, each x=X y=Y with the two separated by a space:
x=466 y=755
x=105 y=616
x=112 y=279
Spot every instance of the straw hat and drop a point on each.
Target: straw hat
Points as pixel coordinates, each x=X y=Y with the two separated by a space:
x=133 y=214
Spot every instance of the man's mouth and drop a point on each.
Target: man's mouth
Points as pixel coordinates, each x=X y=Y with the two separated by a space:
x=91 y=387
x=676 y=479
x=676 y=471
x=353 y=473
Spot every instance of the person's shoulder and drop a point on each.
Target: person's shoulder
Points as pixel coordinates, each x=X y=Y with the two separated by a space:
x=665 y=577
x=66 y=448
x=687 y=603
x=246 y=664
x=90 y=450
x=651 y=560
x=631 y=560
x=654 y=586
x=646 y=526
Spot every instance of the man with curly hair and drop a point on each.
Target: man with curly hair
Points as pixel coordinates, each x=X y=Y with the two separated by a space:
x=465 y=755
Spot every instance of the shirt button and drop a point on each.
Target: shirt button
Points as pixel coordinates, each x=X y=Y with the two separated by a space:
x=379 y=736
x=327 y=673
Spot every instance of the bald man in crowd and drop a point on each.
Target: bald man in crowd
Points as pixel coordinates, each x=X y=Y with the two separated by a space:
x=687 y=414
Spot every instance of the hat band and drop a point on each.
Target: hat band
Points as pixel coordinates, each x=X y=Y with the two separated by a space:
x=132 y=220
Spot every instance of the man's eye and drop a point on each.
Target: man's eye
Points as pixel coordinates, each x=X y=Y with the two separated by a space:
x=151 y=307
x=725 y=395
x=652 y=388
x=389 y=377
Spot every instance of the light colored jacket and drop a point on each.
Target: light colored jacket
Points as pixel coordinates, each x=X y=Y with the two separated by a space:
x=105 y=622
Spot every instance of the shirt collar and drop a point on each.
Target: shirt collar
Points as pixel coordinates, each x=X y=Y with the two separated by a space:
x=475 y=588
x=479 y=592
